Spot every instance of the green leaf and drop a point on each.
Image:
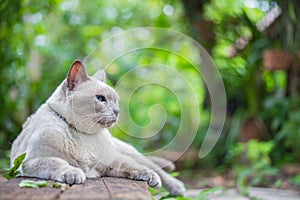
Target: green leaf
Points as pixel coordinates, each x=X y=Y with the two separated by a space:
x=32 y=184
x=171 y=197
x=13 y=171
x=62 y=186
x=18 y=161
x=175 y=174
x=202 y=195
x=57 y=185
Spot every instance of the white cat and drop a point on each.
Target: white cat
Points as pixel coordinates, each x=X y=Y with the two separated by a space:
x=67 y=139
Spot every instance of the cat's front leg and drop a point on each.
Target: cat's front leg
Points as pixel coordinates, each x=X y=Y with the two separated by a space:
x=173 y=185
x=53 y=168
x=126 y=167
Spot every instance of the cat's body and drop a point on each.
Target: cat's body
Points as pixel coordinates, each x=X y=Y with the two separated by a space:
x=68 y=140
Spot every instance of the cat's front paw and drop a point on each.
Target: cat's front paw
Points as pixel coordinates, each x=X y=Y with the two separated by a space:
x=147 y=175
x=175 y=187
x=71 y=175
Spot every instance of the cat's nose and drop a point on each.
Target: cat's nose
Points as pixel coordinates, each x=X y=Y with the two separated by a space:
x=116 y=111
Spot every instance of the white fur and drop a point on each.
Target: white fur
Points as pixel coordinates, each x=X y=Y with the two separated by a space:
x=63 y=141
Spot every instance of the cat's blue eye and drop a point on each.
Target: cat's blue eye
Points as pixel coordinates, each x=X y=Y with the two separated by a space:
x=100 y=98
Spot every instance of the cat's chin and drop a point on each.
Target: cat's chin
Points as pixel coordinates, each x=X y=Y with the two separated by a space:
x=106 y=124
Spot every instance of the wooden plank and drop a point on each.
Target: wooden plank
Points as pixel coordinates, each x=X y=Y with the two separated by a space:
x=11 y=190
x=126 y=189
x=100 y=188
x=2 y=179
x=91 y=189
x=109 y=188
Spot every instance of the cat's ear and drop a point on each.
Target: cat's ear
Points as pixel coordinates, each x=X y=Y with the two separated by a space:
x=77 y=75
x=100 y=75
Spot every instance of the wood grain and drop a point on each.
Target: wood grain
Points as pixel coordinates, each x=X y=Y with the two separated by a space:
x=100 y=188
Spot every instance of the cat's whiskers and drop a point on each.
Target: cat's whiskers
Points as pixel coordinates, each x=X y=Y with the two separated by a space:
x=90 y=114
x=88 y=119
x=89 y=123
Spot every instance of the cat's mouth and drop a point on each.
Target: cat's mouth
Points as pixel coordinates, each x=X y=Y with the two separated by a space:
x=107 y=123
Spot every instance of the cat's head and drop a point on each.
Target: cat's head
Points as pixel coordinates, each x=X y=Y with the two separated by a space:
x=89 y=104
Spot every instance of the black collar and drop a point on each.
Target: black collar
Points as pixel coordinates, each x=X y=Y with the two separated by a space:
x=61 y=117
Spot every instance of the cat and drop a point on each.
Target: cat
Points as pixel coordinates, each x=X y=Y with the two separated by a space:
x=68 y=140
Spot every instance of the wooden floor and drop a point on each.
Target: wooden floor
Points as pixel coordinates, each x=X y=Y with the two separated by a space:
x=100 y=188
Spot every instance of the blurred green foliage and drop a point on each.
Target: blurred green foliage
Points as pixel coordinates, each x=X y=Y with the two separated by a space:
x=252 y=164
x=283 y=118
x=40 y=40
